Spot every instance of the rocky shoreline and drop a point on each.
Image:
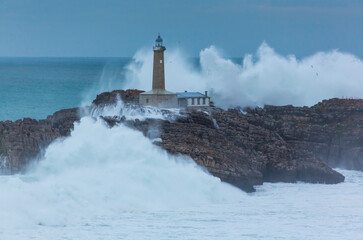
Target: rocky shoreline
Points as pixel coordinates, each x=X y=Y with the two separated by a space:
x=244 y=148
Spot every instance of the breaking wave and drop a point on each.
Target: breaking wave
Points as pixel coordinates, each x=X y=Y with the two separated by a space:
x=103 y=180
x=263 y=78
x=102 y=172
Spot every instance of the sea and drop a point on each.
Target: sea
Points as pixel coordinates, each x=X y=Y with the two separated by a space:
x=37 y=87
x=102 y=183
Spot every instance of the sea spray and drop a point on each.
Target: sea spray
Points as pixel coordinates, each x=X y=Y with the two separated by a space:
x=102 y=172
x=263 y=78
x=130 y=111
x=112 y=73
x=112 y=183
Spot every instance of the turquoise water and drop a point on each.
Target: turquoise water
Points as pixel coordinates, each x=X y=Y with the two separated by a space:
x=37 y=87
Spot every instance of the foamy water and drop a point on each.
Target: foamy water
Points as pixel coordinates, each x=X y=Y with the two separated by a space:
x=265 y=77
x=103 y=183
x=113 y=183
x=275 y=211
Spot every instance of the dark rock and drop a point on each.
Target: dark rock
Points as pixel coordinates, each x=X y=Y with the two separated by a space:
x=108 y=98
x=237 y=151
x=270 y=144
x=23 y=140
x=332 y=130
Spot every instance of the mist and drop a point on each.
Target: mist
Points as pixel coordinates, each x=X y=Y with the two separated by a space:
x=265 y=77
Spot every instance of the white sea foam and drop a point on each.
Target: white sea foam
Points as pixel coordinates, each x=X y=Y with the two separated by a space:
x=276 y=211
x=102 y=172
x=113 y=183
x=111 y=74
x=131 y=111
x=264 y=78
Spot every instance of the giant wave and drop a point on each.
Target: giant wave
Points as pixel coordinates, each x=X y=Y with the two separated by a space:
x=102 y=171
x=262 y=78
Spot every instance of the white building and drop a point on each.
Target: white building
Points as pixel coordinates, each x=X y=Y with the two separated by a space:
x=193 y=99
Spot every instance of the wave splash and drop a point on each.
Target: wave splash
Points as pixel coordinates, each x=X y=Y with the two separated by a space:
x=103 y=172
x=263 y=78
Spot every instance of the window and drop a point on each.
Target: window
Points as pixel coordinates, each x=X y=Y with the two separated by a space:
x=198 y=101
x=161 y=61
x=147 y=100
x=203 y=101
x=192 y=101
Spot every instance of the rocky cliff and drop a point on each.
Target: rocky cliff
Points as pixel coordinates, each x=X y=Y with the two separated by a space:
x=332 y=130
x=24 y=140
x=271 y=144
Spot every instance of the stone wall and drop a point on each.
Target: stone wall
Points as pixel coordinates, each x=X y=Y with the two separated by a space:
x=159 y=100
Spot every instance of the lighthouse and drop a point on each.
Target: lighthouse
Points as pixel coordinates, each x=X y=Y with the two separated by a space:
x=159 y=96
x=158 y=69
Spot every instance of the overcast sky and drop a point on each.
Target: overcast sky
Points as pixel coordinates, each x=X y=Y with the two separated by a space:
x=119 y=28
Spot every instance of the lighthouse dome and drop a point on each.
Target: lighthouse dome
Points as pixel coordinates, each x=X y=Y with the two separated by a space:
x=159 y=41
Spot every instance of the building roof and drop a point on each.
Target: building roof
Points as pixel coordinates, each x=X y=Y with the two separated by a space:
x=190 y=95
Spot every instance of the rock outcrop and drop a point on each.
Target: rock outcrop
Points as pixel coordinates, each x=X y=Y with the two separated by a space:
x=270 y=144
x=234 y=150
x=24 y=140
x=332 y=130
x=108 y=98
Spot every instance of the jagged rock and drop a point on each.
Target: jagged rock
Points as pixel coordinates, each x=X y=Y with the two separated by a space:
x=23 y=140
x=237 y=151
x=108 y=98
x=332 y=130
x=271 y=144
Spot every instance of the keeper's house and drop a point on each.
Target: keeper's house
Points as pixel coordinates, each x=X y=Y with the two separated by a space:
x=193 y=99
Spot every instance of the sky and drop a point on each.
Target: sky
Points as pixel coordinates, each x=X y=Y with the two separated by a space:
x=116 y=28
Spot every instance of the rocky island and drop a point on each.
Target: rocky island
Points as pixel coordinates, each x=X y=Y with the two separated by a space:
x=244 y=147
